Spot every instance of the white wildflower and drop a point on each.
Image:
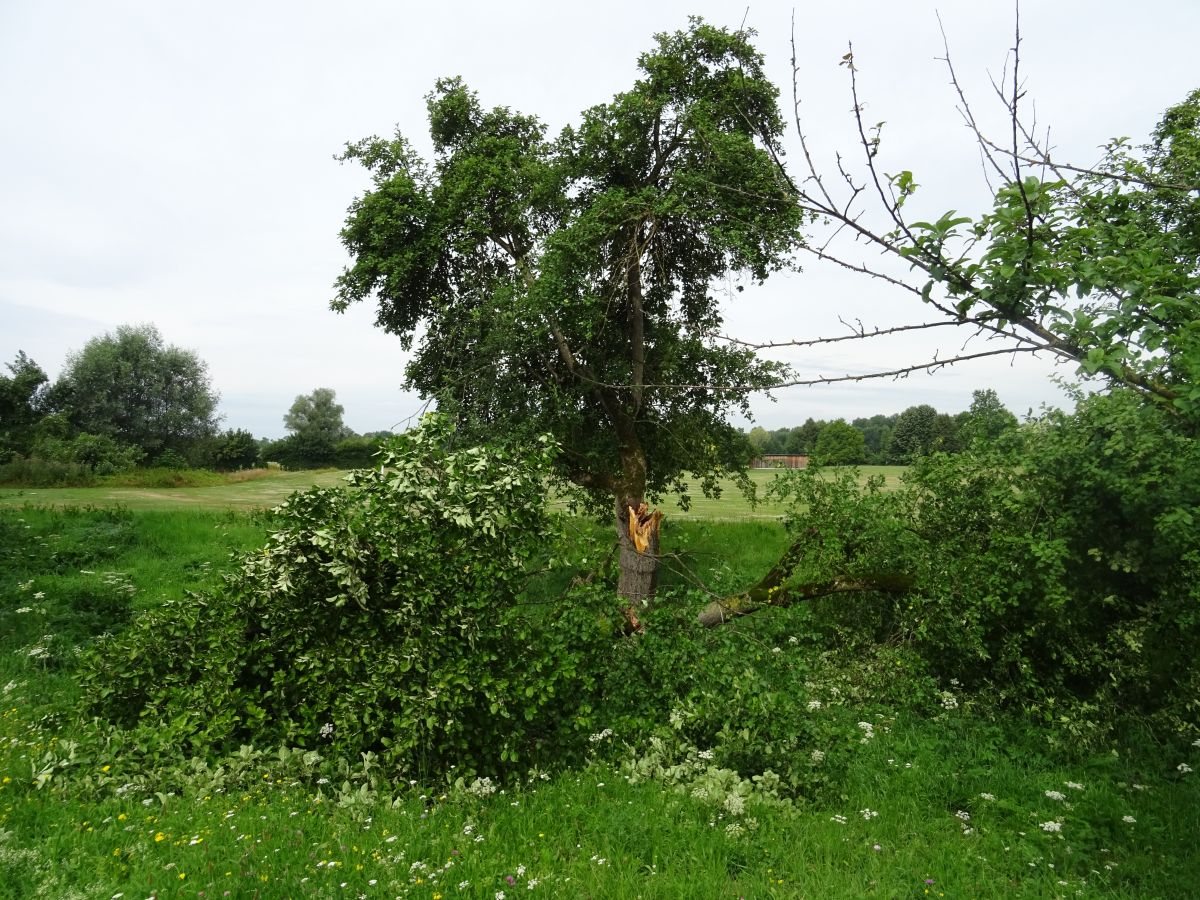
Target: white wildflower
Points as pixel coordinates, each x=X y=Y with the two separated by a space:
x=1184 y=768
x=1074 y=785
x=868 y=814
x=948 y=700
x=1051 y=826
x=814 y=705
x=1055 y=795
x=963 y=815
x=841 y=820
x=986 y=796
x=817 y=756
x=482 y=787
x=1129 y=820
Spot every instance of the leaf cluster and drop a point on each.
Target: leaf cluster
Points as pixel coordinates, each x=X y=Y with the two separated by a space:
x=390 y=616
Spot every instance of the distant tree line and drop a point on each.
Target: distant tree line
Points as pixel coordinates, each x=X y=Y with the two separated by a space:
x=128 y=399
x=890 y=440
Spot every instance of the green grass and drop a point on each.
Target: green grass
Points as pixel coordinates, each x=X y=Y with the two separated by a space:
x=259 y=493
x=267 y=490
x=263 y=829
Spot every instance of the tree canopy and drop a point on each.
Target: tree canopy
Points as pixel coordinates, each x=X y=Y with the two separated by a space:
x=22 y=402
x=132 y=387
x=317 y=417
x=566 y=286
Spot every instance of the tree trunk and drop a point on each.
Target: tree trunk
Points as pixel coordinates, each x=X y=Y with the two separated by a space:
x=638 y=564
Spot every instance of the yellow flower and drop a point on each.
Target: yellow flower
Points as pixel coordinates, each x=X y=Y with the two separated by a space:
x=6 y=780
x=159 y=837
x=182 y=875
x=121 y=817
x=105 y=768
x=117 y=852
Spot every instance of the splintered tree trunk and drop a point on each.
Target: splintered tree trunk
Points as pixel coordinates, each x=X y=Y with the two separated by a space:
x=637 y=533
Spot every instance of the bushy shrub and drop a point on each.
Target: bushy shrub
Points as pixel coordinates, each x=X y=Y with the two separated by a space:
x=356 y=452
x=37 y=472
x=298 y=451
x=234 y=450
x=1062 y=574
x=389 y=616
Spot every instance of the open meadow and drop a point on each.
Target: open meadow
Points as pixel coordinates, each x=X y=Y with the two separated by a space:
x=909 y=793
x=265 y=490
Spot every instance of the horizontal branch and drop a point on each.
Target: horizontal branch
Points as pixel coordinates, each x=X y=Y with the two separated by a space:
x=857 y=335
x=718 y=612
x=932 y=365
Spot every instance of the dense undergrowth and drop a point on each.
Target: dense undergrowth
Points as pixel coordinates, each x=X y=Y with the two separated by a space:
x=302 y=720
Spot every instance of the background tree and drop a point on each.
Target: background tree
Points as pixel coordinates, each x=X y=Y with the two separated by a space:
x=235 y=449
x=565 y=286
x=877 y=436
x=759 y=438
x=987 y=419
x=915 y=434
x=315 y=421
x=840 y=444
x=22 y=404
x=317 y=417
x=138 y=391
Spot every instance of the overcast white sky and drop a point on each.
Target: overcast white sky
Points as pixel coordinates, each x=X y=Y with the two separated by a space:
x=173 y=163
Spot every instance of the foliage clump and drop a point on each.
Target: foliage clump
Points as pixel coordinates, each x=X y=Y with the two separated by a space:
x=390 y=616
x=1058 y=572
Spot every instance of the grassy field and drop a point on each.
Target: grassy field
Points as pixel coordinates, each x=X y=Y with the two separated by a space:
x=269 y=490
x=948 y=803
x=258 y=493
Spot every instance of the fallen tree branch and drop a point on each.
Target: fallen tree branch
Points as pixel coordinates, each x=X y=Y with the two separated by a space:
x=773 y=590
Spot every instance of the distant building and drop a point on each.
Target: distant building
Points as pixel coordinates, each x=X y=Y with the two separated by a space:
x=780 y=461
